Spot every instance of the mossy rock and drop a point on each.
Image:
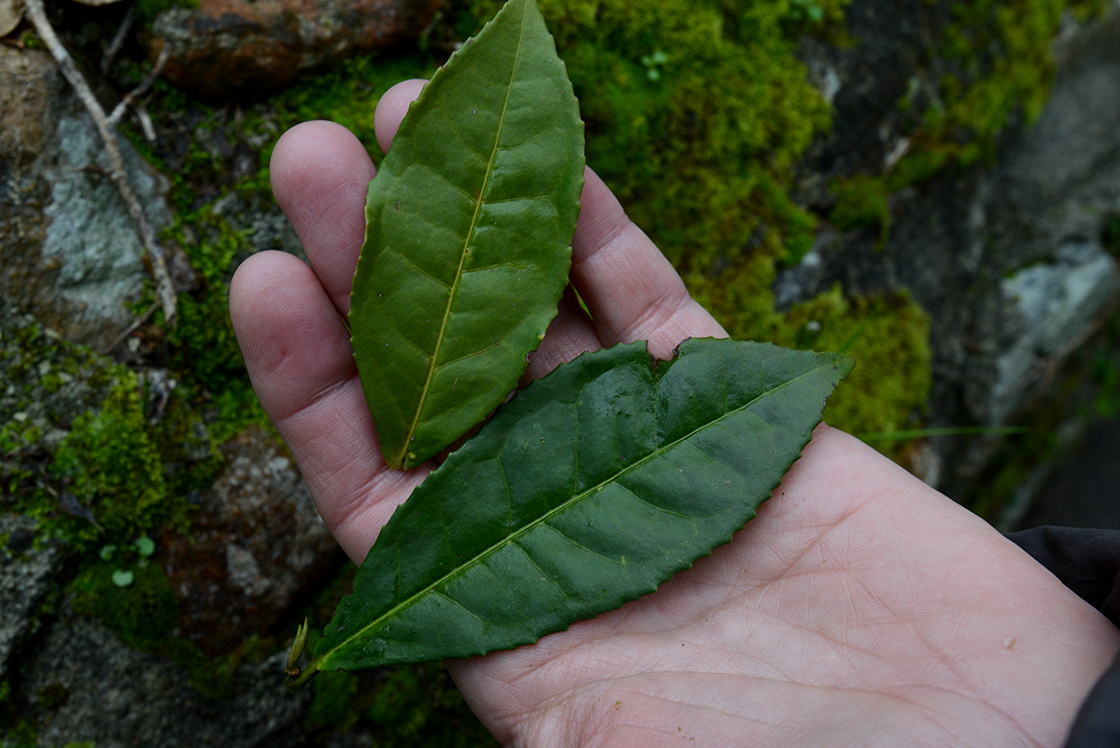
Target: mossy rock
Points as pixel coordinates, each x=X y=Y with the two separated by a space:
x=142 y=612
x=79 y=453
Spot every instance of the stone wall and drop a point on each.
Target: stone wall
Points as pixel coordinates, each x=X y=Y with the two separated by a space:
x=1012 y=256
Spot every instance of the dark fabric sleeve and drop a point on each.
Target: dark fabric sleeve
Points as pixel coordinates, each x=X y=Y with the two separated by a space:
x=1088 y=562
x=1098 y=723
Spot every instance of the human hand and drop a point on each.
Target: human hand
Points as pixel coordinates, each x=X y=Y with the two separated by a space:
x=859 y=608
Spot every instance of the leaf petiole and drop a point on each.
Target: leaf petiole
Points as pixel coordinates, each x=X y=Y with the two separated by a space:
x=297 y=680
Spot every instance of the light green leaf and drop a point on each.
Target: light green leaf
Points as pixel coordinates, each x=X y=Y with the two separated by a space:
x=145 y=546
x=122 y=578
x=588 y=489
x=468 y=230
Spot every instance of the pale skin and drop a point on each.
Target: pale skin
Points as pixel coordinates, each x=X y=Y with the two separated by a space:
x=860 y=608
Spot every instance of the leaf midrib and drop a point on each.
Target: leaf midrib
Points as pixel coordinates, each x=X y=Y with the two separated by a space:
x=478 y=558
x=403 y=454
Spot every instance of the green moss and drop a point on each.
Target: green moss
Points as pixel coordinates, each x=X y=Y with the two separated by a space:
x=1001 y=66
x=1104 y=372
x=420 y=706
x=331 y=695
x=202 y=348
x=701 y=153
x=39 y=365
x=862 y=201
x=1040 y=443
x=145 y=613
x=187 y=447
x=701 y=156
x=402 y=705
x=202 y=344
x=887 y=335
x=110 y=464
x=1110 y=235
x=19 y=733
x=142 y=614
x=53 y=697
x=348 y=95
x=107 y=474
x=415 y=705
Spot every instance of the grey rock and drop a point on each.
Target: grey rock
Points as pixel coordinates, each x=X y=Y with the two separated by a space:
x=1057 y=302
x=92 y=238
x=26 y=574
x=70 y=251
x=117 y=697
x=265 y=225
x=1007 y=257
x=803 y=281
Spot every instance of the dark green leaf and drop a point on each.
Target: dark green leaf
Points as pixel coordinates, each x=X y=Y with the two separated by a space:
x=588 y=489
x=468 y=231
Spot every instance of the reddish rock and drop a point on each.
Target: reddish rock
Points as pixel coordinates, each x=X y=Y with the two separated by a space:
x=255 y=549
x=226 y=48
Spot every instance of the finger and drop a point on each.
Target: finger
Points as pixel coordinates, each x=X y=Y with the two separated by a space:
x=392 y=107
x=569 y=334
x=297 y=351
x=320 y=173
x=631 y=289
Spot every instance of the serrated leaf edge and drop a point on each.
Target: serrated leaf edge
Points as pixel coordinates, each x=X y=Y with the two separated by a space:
x=429 y=589
x=401 y=458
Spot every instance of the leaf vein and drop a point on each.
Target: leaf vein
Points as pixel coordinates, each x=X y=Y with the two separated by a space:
x=463 y=254
x=577 y=542
x=453 y=128
x=443 y=178
x=513 y=537
x=418 y=269
x=402 y=336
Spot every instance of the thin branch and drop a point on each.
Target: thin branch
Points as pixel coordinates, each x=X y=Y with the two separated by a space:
x=136 y=323
x=145 y=123
x=164 y=289
x=118 y=40
x=130 y=98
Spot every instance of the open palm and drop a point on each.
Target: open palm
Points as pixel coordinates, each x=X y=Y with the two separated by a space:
x=859 y=608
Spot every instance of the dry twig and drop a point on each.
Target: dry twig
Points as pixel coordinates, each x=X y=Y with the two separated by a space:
x=164 y=289
x=136 y=324
x=130 y=98
x=118 y=40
